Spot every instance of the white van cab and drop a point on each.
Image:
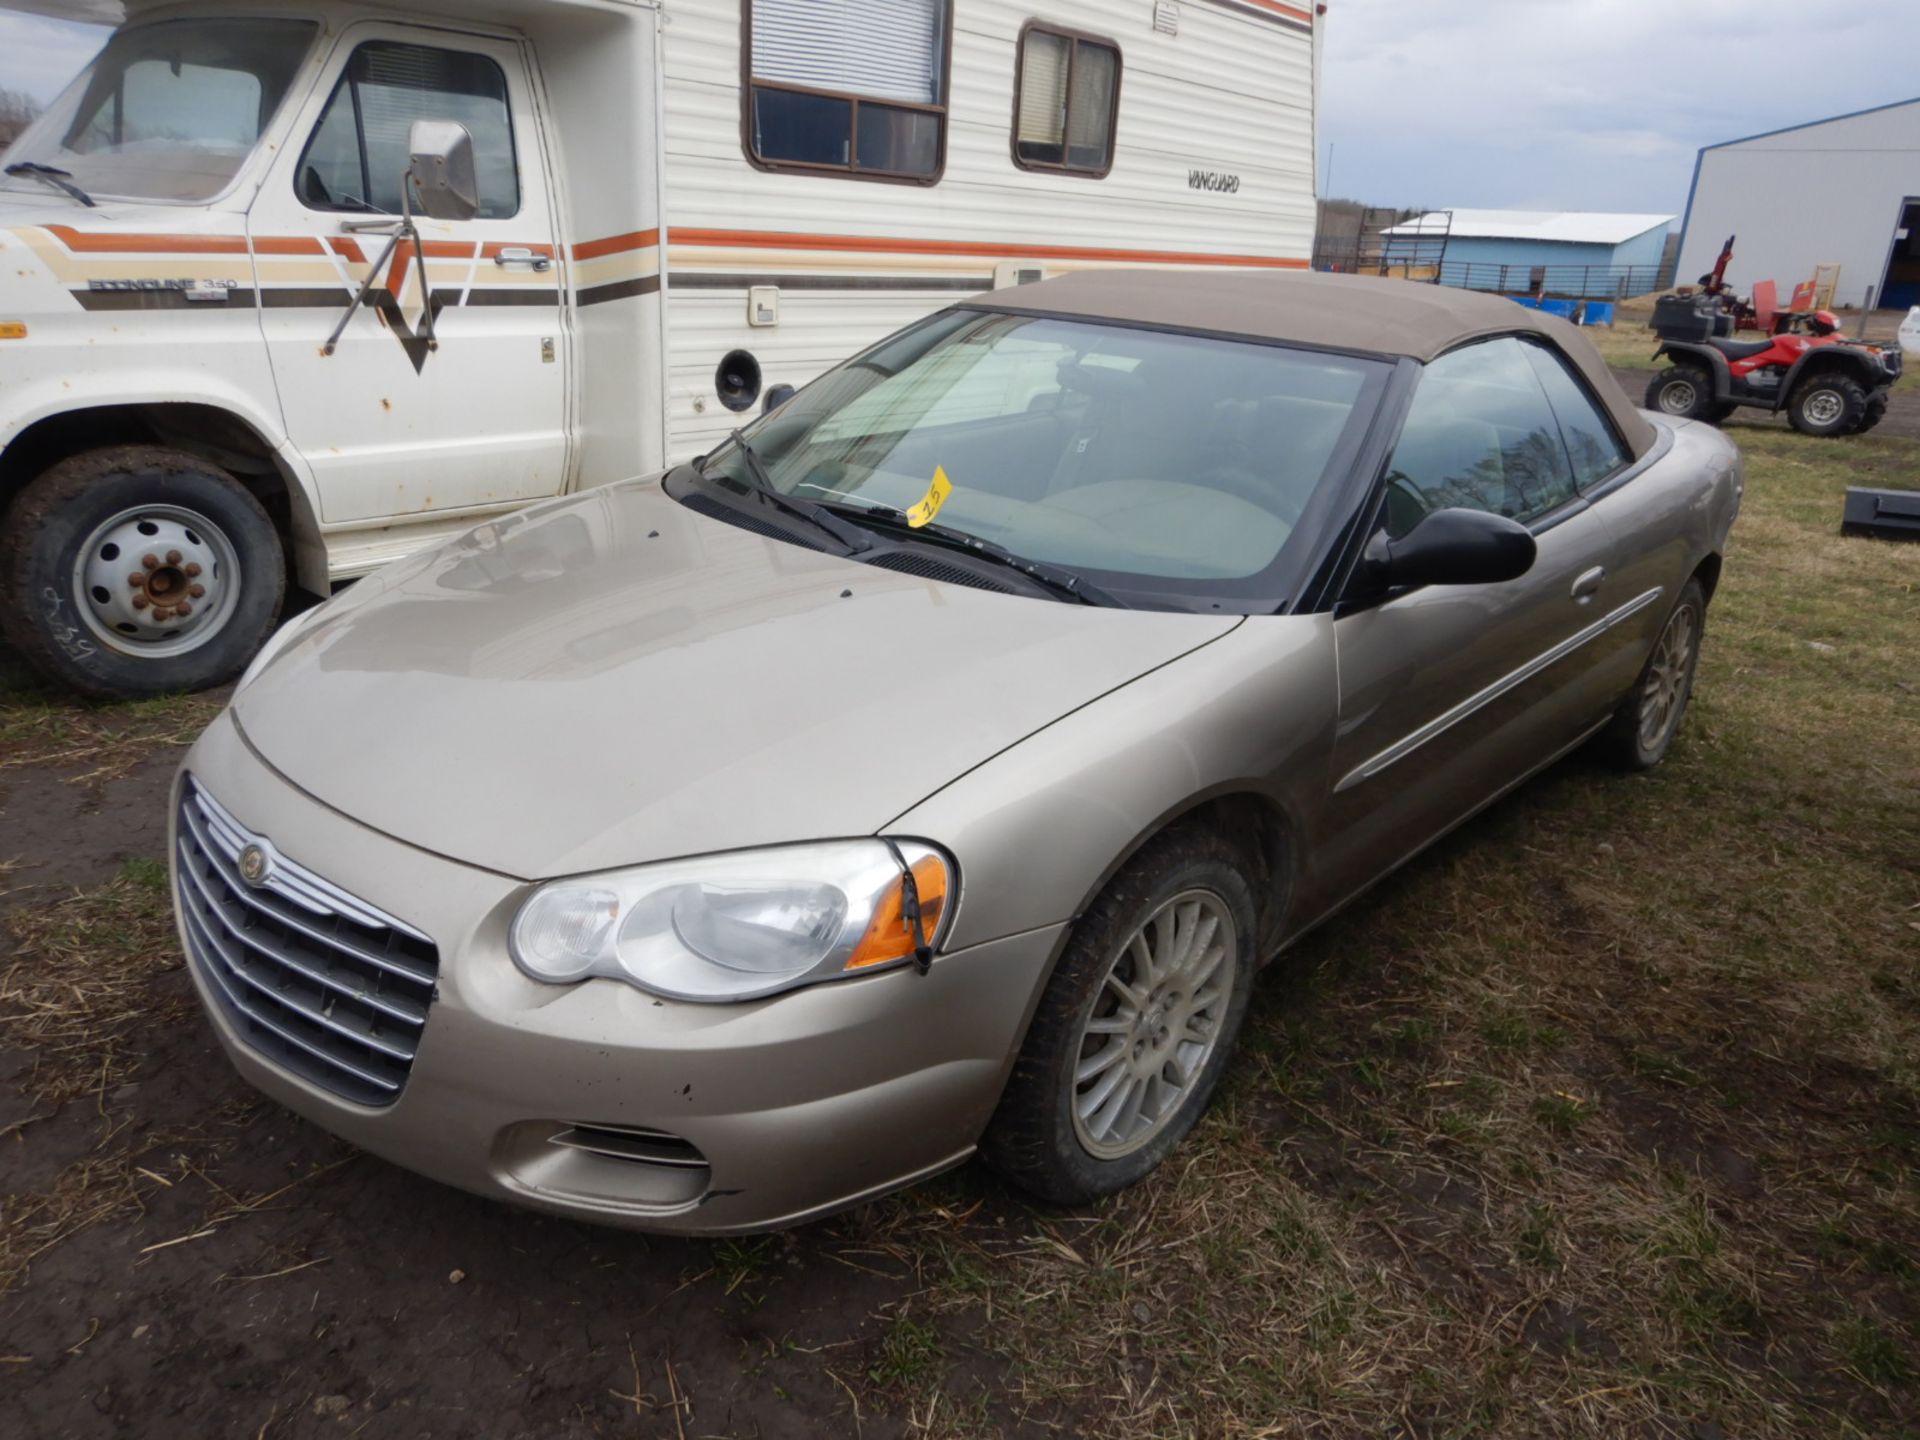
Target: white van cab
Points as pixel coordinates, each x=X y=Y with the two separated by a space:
x=288 y=290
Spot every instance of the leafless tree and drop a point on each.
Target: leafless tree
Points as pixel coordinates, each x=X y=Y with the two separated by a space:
x=16 y=113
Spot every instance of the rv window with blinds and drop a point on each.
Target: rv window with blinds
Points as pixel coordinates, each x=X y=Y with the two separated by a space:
x=1066 y=101
x=357 y=159
x=848 y=87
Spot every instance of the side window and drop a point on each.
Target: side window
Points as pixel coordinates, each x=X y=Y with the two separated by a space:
x=1066 y=101
x=357 y=158
x=848 y=86
x=1592 y=446
x=1479 y=435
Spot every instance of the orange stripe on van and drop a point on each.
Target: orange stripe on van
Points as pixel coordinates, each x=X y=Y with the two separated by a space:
x=124 y=242
x=616 y=244
x=1290 y=11
x=753 y=240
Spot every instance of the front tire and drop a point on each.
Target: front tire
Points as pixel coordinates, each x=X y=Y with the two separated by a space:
x=1827 y=406
x=1135 y=1026
x=1643 y=728
x=1686 y=393
x=138 y=571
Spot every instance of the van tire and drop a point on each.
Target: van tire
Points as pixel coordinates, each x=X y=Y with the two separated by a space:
x=1034 y=1138
x=88 y=620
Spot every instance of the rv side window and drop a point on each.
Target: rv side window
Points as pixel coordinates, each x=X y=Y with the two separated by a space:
x=850 y=87
x=357 y=158
x=1066 y=101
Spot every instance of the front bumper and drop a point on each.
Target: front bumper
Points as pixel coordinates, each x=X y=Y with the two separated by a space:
x=797 y=1105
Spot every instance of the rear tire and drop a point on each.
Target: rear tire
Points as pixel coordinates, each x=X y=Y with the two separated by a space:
x=1686 y=393
x=138 y=571
x=1130 y=1013
x=1827 y=406
x=1643 y=728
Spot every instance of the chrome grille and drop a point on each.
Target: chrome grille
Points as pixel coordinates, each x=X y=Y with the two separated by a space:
x=317 y=981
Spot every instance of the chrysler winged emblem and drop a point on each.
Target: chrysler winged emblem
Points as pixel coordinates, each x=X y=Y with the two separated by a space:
x=253 y=865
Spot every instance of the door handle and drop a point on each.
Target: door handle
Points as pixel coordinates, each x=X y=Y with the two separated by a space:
x=521 y=255
x=1588 y=584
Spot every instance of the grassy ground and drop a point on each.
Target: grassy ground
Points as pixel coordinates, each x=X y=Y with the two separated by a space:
x=1603 y=1119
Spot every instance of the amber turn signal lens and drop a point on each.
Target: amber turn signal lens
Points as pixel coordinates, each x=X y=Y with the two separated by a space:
x=890 y=936
x=13 y=330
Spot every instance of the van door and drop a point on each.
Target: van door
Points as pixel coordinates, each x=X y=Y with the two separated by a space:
x=437 y=399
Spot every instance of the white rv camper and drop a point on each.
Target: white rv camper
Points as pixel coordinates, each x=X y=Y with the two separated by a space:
x=288 y=290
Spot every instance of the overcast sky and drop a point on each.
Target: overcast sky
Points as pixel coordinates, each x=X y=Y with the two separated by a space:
x=1514 y=104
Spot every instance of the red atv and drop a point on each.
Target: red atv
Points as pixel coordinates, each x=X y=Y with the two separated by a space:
x=1828 y=385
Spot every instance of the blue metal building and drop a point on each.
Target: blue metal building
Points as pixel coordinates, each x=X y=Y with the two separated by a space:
x=1569 y=254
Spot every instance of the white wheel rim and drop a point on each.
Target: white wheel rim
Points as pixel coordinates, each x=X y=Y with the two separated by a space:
x=1677 y=397
x=156 y=581
x=1824 y=407
x=1154 y=1024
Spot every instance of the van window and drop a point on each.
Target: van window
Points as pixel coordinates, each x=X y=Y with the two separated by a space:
x=1066 y=101
x=357 y=159
x=1481 y=436
x=853 y=87
x=168 y=112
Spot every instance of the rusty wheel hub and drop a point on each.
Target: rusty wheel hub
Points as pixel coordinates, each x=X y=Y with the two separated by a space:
x=156 y=581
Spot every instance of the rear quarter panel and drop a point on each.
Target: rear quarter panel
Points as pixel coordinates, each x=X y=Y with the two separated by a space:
x=1667 y=521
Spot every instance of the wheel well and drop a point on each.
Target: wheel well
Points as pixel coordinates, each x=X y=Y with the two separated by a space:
x=213 y=434
x=1258 y=828
x=1851 y=366
x=1707 y=572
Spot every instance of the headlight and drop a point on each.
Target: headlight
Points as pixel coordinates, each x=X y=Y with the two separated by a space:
x=737 y=927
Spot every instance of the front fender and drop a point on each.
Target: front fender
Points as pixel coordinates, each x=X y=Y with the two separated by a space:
x=1706 y=355
x=1039 y=829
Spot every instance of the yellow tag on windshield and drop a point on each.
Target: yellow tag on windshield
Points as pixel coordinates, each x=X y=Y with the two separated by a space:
x=930 y=503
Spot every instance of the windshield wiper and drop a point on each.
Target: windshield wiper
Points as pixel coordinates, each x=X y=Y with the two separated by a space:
x=1056 y=578
x=819 y=516
x=52 y=175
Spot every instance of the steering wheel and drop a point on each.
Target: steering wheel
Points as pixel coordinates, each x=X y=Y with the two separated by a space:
x=1244 y=483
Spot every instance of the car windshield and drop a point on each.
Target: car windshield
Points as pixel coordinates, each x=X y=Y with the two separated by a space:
x=167 y=112
x=1149 y=460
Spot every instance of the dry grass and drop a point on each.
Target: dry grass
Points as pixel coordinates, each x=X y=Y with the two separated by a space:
x=78 y=989
x=40 y=725
x=1602 y=1120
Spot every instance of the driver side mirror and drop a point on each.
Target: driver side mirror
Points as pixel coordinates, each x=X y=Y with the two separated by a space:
x=440 y=171
x=1451 y=547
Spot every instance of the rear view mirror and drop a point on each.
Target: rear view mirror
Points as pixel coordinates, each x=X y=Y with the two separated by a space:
x=440 y=172
x=776 y=396
x=1452 y=547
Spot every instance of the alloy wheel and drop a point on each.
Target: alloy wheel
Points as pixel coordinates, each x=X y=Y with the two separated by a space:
x=1154 y=1024
x=1664 y=692
x=1677 y=397
x=1824 y=407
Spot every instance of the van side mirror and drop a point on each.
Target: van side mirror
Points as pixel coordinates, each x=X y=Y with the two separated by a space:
x=1452 y=547
x=776 y=396
x=440 y=170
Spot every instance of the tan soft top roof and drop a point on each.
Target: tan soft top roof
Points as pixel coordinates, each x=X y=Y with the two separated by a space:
x=1338 y=312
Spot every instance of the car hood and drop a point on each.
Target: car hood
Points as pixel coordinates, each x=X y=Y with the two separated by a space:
x=615 y=679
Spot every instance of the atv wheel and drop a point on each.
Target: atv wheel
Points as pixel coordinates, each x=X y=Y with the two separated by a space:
x=138 y=571
x=1686 y=393
x=1828 y=405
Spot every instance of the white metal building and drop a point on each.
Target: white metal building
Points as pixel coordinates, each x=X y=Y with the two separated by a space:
x=1845 y=190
